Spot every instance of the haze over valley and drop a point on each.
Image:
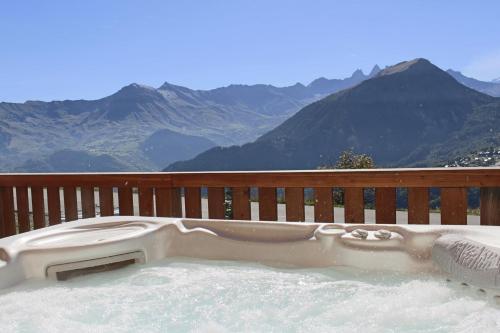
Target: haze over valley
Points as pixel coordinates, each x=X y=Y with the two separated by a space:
x=145 y=128
x=141 y=128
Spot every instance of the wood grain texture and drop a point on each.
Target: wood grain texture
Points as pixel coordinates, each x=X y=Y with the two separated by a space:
x=385 y=205
x=54 y=205
x=452 y=181
x=38 y=205
x=323 y=204
x=70 y=204
x=354 y=208
x=168 y=202
x=106 y=205
x=2 y=217
x=23 y=214
x=294 y=199
x=124 y=179
x=7 y=216
x=241 y=203
x=454 y=205
x=428 y=177
x=490 y=206
x=192 y=197
x=125 y=201
x=146 y=205
x=88 y=202
x=418 y=205
x=268 y=205
x=216 y=199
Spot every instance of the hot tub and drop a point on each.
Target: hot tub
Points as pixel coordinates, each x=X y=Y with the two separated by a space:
x=250 y=276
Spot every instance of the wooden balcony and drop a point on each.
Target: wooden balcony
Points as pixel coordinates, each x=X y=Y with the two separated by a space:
x=32 y=201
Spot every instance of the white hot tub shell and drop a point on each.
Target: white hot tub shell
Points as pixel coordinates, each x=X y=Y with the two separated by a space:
x=467 y=254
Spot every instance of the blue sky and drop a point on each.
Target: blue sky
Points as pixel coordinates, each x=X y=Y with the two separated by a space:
x=89 y=49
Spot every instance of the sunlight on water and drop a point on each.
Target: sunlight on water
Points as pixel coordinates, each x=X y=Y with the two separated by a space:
x=202 y=296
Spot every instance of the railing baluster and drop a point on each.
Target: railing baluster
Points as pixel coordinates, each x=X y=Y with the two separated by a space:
x=418 y=205
x=125 y=201
x=385 y=205
x=268 y=205
x=146 y=201
x=23 y=215
x=192 y=199
x=7 y=217
x=453 y=205
x=2 y=217
x=88 y=201
x=294 y=198
x=168 y=202
x=70 y=204
x=354 y=207
x=323 y=204
x=490 y=206
x=106 y=207
x=241 y=203
x=216 y=199
x=38 y=206
x=54 y=205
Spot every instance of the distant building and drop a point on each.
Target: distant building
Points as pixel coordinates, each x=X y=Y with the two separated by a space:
x=484 y=157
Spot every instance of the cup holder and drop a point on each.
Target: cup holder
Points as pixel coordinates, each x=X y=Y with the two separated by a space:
x=329 y=230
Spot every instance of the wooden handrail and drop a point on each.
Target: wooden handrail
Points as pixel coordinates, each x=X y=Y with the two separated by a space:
x=432 y=177
x=123 y=179
x=426 y=177
x=54 y=197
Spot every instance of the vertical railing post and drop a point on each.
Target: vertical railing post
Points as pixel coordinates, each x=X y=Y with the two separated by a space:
x=418 y=205
x=216 y=201
x=146 y=206
x=168 y=202
x=490 y=206
x=70 y=204
x=54 y=205
x=268 y=204
x=125 y=201
x=38 y=205
x=106 y=202
x=454 y=205
x=23 y=214
x=354 y=205
x=192 y=201
x=323 y=204
x=88 y=201
x=241 y=203
x=385 y=205
x=294 y=199
x=7 y=217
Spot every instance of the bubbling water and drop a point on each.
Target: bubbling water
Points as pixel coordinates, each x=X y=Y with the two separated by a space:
x=207 y=296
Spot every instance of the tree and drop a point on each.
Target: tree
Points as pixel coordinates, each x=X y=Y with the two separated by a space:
x=348 y=159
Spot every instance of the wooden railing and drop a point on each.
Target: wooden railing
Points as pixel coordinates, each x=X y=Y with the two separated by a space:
x=32 y=201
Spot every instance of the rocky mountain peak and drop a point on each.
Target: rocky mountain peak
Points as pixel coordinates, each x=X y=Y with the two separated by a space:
x=358 y=74
x=419 y=64
x=375 y=70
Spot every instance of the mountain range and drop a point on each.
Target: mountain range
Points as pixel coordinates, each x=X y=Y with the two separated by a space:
x=143 y=128
x=491 y=88
x=409 y=114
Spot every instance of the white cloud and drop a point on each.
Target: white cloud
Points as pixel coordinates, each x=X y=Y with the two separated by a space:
x=485 y=67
